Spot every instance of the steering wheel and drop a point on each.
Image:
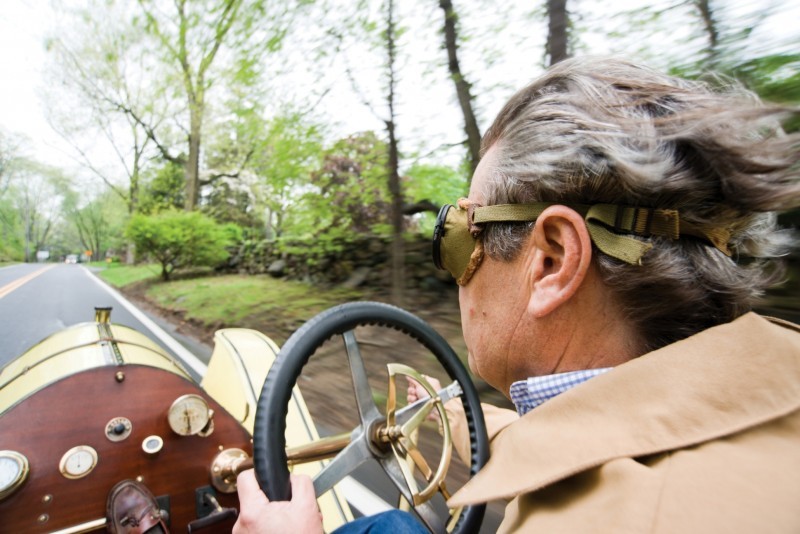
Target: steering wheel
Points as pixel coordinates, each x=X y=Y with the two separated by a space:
x=387 y=439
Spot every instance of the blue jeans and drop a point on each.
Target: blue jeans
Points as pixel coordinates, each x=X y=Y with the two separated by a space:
x=394 y=521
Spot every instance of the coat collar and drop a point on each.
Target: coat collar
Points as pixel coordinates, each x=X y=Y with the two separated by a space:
x=721 y=381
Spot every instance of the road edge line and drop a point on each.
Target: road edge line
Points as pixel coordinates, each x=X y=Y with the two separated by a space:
x=172 y=344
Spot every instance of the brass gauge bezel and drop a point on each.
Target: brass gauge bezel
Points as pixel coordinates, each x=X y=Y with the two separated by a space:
x=189 y=415
x=68 y=471
x=22 y=475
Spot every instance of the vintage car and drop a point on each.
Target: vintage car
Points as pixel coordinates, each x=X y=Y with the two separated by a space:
x=99 y=403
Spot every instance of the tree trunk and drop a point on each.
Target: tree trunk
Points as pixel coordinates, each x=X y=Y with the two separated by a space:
x=462 y=86
x=711 y=29
x=193 y=163
x=557 y=36
x=398 y=253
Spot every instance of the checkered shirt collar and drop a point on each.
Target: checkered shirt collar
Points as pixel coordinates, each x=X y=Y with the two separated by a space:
x=528 y=394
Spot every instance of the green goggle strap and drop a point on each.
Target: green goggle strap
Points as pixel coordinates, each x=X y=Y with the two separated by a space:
x=601 y=218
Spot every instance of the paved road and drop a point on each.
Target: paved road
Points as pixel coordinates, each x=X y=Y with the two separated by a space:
x=37 y=300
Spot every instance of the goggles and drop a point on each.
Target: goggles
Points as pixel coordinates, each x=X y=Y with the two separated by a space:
x=458 y=249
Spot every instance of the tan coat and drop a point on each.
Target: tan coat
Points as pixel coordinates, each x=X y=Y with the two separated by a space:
x=700 y=436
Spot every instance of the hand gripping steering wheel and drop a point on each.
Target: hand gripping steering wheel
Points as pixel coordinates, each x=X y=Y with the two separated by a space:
x=387 y=439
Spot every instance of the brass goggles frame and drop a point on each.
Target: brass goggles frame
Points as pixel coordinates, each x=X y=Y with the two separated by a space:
x=457 y=249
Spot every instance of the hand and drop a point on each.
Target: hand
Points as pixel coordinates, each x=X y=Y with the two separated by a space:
x=416 y=392
x=301 y=515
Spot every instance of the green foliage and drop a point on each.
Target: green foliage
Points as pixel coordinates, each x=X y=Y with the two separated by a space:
x=96 y=224
x=12 y=247
x=346 y=196
x=276 y=158
x=230 y=202
x=179 y=239
x=436 y=184
x=776 y=78
x=163 y=189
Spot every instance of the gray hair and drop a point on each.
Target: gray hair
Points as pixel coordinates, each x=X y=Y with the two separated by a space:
x=594 y=130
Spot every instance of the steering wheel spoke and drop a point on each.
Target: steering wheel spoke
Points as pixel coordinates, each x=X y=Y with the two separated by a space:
x=367 y=409
x=419 y=417
x=419 y=461
x=352 y=456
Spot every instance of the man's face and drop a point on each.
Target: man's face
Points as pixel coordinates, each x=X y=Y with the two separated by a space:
x=493 y=305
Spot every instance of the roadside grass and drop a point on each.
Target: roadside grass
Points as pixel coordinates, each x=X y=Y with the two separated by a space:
x=122 y=275
x=252 y=301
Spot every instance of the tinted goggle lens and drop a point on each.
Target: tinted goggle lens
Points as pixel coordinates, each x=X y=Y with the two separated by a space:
x=452 y=242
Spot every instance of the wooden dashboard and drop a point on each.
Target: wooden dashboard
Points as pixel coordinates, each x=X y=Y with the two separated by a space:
x=119 y=412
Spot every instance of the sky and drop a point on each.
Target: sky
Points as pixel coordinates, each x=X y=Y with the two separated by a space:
x=24 y=24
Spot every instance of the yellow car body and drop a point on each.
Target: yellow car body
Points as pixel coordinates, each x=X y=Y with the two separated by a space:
x=99 y=402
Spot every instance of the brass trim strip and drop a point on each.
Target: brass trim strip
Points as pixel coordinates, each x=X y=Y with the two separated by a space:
x=89 y=526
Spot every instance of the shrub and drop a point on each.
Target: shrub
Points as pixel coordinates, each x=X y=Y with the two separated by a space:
x=178 y=239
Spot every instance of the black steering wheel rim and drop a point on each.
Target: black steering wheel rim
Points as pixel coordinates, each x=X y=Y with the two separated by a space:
x=269 y=443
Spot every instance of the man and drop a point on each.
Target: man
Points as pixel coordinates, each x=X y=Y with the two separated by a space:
x=618 y=230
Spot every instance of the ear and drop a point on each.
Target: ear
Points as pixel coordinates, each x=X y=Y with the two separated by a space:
x=562 y=253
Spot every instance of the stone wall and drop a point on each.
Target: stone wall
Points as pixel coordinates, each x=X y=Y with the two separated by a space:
x=365 y=262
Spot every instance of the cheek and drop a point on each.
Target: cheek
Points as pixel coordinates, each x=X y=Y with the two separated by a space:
x=468 y=329
x=474 y=330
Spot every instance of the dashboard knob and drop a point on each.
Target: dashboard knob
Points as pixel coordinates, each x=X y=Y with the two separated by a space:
x=118 y=429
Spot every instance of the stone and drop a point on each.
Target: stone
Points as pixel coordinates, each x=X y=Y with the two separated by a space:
x=357 y=278
x=277 y=268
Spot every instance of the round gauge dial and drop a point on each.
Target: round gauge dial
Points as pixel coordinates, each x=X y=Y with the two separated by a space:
x=14 y=471
x=152 y=444
x=189 y=415
x=78 y=461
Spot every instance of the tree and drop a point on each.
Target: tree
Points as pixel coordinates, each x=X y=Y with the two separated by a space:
x=345 y=197
x=179 y=239
x=99 y=66
x=165 y=68
x=287 y=151
x=462 y=86
x=557 y=47
x=9 y=153
x=96 y=224
x=429 y=186
x=383 y=36
x=11 y=243
x=192 y=38
x=191 y=42
x=710 y=25
x=393 y=162
x=35 y=201
x=163 y=189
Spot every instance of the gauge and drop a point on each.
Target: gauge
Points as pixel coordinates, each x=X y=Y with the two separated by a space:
x=152 y=444
x=78 y=461
x=189 y=415
x=14 y=471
